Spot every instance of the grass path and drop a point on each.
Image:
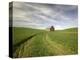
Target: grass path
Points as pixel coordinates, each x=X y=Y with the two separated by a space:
x=55 y=48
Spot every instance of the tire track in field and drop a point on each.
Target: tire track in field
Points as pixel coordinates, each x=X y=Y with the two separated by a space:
x=26 y=47
x=48 y=47
x=19 y=52
x=26 y=39
x=53 y=47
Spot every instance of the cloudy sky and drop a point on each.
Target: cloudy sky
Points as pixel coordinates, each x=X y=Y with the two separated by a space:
x=42 y=16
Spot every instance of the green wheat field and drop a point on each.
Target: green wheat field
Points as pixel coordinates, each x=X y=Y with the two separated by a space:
x=29 y=42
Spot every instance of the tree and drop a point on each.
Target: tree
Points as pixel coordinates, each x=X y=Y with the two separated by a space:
x=52 y=28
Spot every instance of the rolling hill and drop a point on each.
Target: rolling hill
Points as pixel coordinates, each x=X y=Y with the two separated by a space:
x=32 y=42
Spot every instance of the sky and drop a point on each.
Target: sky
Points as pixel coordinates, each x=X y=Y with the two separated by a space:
x=42 y=16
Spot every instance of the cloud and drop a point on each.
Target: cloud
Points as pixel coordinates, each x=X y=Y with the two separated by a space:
x=44 y=15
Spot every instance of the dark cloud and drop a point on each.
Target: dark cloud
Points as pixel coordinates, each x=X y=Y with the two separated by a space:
x=32 y=14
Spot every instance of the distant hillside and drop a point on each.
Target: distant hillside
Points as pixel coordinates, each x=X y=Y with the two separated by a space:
x=71 y=30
